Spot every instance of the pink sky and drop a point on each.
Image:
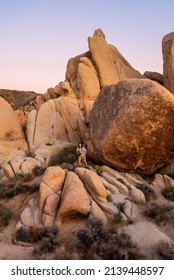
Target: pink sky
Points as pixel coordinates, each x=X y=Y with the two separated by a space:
x=39 y=36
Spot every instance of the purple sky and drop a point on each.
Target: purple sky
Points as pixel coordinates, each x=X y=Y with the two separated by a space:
x=39 y=36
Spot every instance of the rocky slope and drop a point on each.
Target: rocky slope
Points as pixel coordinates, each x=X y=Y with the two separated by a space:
x=126 y=121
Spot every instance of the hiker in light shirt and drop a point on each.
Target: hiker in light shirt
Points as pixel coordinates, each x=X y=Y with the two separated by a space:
x=81 y=152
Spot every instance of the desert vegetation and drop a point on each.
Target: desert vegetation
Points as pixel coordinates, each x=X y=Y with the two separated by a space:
x=168 y=193
x=158 y=212
x=166 y=250
x=67 y=155
x=16 y=186
x=5 y=216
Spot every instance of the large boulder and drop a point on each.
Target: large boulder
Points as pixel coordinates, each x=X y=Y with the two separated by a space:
x=52 y=184
x=88 y=86
x=109 y=62
x=93 y=184
x=168 y=61
x=87 y=80
x=72 y=68
x=74 y=199
x=21 y=166
x=132 y=126
x=12 y=141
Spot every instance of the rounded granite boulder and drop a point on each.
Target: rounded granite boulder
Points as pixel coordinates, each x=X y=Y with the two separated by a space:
x=132 y=126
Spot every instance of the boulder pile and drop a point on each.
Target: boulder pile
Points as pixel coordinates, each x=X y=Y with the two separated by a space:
x=126 y=120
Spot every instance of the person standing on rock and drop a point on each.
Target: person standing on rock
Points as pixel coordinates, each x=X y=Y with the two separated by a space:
x=81 y=152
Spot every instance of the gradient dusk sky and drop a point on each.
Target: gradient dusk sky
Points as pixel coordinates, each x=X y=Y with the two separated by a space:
x=39 y=36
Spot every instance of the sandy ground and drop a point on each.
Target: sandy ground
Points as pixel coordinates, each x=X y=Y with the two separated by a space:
x=10 y=251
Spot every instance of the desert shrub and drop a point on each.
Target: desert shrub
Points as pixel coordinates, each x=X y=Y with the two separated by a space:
x=31 y=234
x=166 y=250
x=117 y=218
x=97 y=167
x=14 y=187
x=105 y=244
x=29 y=154
x=121 y=180
x=62 y=254
x=148 y=191
x=120 y=206
x=67 y=155
x=48 y=242
x=5 y=216
x=158 y=212
x=130 y=221
x=168 y=193
x=34 y=234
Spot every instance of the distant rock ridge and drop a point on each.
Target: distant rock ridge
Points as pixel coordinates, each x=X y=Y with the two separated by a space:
x=19 y=99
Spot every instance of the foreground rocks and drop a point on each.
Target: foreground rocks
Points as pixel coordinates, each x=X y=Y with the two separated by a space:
x=84 y=194
x=68 y=199
x=131 y=126
x=147 y=236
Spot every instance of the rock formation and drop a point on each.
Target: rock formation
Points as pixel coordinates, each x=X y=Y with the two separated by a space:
x=12 y=141
x=22 y=102
x=154 y=76
x=168 y=61
x=131 y=126
x=63 y=114
x=84 y=193
x=110 y=64
x=127 y=122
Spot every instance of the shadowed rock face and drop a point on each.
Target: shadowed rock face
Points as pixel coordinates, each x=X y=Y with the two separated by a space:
x=168 y=61
x=131 y=126
x=154 y=76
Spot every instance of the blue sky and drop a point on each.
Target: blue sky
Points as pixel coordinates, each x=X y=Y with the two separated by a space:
x=39 y=36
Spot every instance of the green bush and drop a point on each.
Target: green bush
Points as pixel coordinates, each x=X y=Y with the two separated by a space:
x=48 y=243
x=62 y=254
x=67 y=155
x=148 y=191
x=14 y=187
x=104 y=244
x=117 y=218
x=166 y=250
x=168 y=193
x=34 y=234
x=5 y=216
x=158 y=212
